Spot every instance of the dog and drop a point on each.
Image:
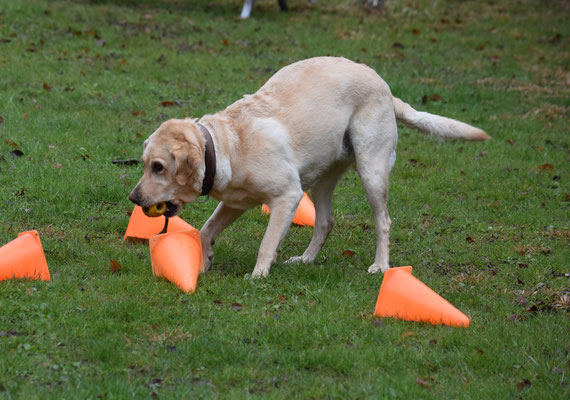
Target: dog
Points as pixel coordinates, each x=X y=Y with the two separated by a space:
x=301 y=130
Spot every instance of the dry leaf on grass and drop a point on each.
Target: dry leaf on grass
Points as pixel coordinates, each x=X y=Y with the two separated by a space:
x=115 y=266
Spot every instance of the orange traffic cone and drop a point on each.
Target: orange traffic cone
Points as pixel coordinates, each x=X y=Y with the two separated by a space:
x=24 y=257
x=404 y=296
x=305 y=214
x=177 y=256
x=143 y=227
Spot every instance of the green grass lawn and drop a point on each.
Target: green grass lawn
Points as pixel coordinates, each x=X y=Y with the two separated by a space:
x=486 y=225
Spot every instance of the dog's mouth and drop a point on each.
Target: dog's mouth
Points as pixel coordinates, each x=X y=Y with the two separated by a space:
x=166 y=208
x=172 y=209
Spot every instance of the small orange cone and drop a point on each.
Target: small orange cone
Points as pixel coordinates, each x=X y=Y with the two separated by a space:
x=305 y=214
x=404 y=296
x=143 y=227
x=24 y=257
x=177 y=256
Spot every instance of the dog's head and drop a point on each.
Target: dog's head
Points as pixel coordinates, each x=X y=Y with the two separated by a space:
x=173 y=158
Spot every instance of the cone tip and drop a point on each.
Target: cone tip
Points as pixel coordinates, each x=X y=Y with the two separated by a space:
x=408 y=269
x=32 y=232
x=463 y=321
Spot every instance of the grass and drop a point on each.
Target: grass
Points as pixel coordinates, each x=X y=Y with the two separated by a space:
x=484 y=224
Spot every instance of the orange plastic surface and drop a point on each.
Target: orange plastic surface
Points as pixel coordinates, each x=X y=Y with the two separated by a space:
x=404 y=296
x=177 y=256
x=24 y=257
x=305 y=214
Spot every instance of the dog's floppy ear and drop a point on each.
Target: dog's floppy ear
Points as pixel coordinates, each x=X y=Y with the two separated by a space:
x=188 y=165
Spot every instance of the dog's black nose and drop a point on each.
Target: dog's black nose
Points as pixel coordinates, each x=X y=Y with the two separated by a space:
x=134 y=196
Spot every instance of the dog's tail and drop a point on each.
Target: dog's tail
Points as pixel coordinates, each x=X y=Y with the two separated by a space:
x=442 y=127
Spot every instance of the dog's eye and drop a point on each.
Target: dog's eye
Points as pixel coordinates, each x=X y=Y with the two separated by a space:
x=157 y=167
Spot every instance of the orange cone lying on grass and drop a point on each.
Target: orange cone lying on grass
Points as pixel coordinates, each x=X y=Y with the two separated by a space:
x=24 y=257
x=143 y=227
x=404 y=296
x=305 y=214
x=177 y=256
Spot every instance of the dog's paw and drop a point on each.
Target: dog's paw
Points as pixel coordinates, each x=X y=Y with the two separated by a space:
x=294 y=260
x=207 y=263
x=258 y=273
x=207 y=257
x=374 y=269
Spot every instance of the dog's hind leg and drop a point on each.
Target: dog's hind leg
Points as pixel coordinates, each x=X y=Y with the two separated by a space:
x=375 y=180
x=282 y=213
x=374 y=148
x=322 y=194
x=222 y=217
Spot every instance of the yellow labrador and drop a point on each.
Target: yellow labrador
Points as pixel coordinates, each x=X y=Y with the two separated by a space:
x=300 y=131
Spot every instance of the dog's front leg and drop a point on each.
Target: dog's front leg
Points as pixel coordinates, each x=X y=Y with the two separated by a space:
x=282 y=212
x=218 y=221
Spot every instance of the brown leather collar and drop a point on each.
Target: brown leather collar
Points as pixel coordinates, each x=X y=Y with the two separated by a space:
x=209 y=160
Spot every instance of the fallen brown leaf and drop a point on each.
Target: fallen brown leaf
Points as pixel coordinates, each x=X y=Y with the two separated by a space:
x=436 y=97
x=533 y=308
x=545 y=167
x=522 y=385
x=115 y=266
